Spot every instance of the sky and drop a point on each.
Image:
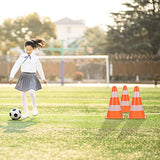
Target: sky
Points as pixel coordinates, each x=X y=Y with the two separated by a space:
x=93 y=12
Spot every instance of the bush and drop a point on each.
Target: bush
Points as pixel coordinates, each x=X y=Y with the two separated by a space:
x=78 y=76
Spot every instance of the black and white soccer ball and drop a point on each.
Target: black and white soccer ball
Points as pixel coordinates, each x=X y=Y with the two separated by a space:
x=15 y=114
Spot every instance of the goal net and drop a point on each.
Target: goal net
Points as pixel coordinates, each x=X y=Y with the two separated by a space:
x=72 y=69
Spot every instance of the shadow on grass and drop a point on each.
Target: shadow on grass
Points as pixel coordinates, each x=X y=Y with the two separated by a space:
x=131 y=127
x=108 y=127
x=18 y=125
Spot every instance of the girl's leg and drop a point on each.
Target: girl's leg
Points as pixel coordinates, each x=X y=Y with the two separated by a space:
x=24 y=103
x=33 y=100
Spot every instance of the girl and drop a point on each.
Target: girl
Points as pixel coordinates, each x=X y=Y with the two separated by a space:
x=28 y=80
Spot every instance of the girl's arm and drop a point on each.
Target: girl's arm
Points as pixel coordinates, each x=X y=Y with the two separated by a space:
x=15 y=68
x=40 y=70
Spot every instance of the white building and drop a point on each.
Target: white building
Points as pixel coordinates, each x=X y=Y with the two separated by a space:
x=70 y=30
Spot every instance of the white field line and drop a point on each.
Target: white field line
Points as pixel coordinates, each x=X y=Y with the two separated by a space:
x=58 y=104
x=63 y=115
x=82 y=115
x=86 y=99
x=152 y=113
x=66 y=105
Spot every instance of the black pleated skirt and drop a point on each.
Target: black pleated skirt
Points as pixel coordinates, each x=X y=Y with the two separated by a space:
x=28 y=81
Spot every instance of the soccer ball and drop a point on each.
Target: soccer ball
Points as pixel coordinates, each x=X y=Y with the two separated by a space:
x=15 y=114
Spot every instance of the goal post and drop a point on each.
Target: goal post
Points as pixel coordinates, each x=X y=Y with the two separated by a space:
x=79 y=58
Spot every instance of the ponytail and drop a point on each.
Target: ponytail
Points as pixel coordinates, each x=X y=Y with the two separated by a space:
x=36 y=43
x=39 y=43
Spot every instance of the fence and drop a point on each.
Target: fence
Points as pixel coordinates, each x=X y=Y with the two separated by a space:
x=128 y=67
x=129 y=70
x=123 y=69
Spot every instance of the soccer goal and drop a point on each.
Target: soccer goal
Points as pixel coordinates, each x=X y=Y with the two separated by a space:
x=72 y=69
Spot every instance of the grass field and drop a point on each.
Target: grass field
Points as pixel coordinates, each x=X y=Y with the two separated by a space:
x=71 y=125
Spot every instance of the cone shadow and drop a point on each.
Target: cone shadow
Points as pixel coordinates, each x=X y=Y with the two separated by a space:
x=130 y=128
x=108 y=127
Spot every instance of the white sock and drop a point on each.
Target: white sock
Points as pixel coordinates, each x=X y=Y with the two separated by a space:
x=24 y=102
x=33 y=99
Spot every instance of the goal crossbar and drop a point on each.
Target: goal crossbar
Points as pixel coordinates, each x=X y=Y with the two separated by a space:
x=74 y=57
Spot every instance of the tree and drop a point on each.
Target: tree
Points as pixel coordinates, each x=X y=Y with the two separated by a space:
x=7 y=37
x=136 y=30
x=95 y=40
x=14 y=32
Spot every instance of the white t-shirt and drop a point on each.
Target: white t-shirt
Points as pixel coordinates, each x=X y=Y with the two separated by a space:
x=28 y=63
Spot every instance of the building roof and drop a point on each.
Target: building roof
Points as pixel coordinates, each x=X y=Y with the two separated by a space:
x=66 y=20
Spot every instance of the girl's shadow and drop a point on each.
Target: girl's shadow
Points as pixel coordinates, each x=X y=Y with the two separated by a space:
x=18 y=125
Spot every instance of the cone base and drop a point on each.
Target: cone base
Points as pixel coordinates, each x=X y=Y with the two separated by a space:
x=114 y=115
x=125 y=108
x=136 y=115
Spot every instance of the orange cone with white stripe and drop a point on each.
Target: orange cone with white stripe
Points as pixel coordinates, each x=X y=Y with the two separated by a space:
x=136 y=111
x=114 y=109
x=125 y=102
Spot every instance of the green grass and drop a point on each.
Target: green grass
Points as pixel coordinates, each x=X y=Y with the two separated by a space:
x=71 y=125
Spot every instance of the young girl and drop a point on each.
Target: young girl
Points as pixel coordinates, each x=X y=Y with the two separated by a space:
x=28 y=80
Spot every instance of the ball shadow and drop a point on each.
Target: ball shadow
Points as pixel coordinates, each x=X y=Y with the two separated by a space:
x=19 y=126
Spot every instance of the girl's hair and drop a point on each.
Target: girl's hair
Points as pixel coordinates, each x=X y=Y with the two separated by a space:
x=36 y=43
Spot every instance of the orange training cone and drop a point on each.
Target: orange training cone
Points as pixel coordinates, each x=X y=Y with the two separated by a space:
x=136 y=111
x=125 y=102
x=114 y=110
